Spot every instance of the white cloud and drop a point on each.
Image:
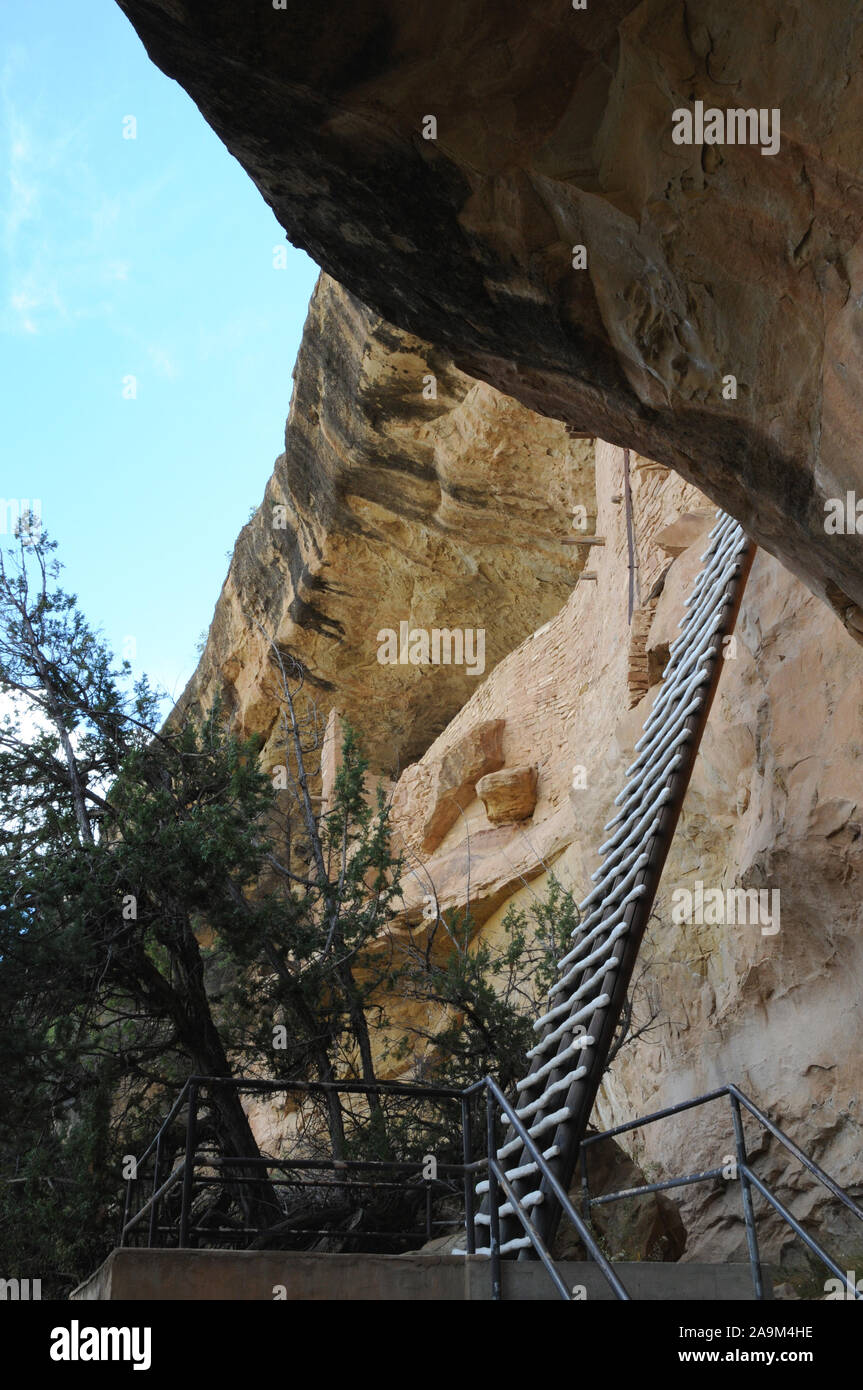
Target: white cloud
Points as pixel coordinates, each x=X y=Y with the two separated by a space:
x=58 y=229
x=163 y=362
x=29 y=297
x=23 y=189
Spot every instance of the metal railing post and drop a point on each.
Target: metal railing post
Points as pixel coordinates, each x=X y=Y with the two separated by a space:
x=467 y=1158
x=493 y=1199
x=153 y=1234
x=188 y=1171
x=585 y=1183
x=126 y=1202
x=746 y=1196
x=554 y=1186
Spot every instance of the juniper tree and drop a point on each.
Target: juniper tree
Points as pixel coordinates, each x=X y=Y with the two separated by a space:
x=490 y=990
x=119 y=842
x=337 y=950
x=161 y=912
x=315 y=927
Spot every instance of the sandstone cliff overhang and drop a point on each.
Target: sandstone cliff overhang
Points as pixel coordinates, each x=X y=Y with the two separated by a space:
x=553 y=130
x=415 y=513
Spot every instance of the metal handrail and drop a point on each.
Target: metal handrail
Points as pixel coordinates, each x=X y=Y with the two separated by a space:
x=646 y=1188
x=178 y=1104
x=393 y=1088
x=498 y=1179
x=759 y=1115
x=186 y=1168
x=492 y=1088
x=535 y=1238
x=803 y=1158
x=798 y=1229
x=655 y=1115
x=156 y=1197
x=747 y=1176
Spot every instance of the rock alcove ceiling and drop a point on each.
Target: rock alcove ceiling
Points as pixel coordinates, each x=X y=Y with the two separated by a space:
x=554 y=129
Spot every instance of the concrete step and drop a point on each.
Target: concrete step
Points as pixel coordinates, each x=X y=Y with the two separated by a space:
x=256 y=1275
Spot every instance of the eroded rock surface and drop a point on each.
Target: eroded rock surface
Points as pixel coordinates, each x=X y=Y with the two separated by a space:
x=774 y=805
x=393 y=516
x=554 y=131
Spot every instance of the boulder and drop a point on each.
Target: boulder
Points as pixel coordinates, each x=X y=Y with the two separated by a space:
x=508 y=795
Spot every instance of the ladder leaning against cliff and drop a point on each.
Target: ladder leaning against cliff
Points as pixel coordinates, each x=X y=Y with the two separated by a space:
x=567 y=1064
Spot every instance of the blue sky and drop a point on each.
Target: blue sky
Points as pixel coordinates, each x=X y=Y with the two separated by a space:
x=149 y=258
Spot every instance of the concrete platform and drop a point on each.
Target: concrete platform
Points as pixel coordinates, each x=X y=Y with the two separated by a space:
x=266 y=1275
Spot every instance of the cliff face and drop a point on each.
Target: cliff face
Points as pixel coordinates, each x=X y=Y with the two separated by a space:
x=553 y=129
x=392 y=514
x=414 y=491
x=407 y=494
x=774 y=805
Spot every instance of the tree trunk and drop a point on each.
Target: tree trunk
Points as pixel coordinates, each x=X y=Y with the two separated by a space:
x=323 y=1061
x=259 y=1201
x=367 y=1066
x=55 y=713
x=189 y=1010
